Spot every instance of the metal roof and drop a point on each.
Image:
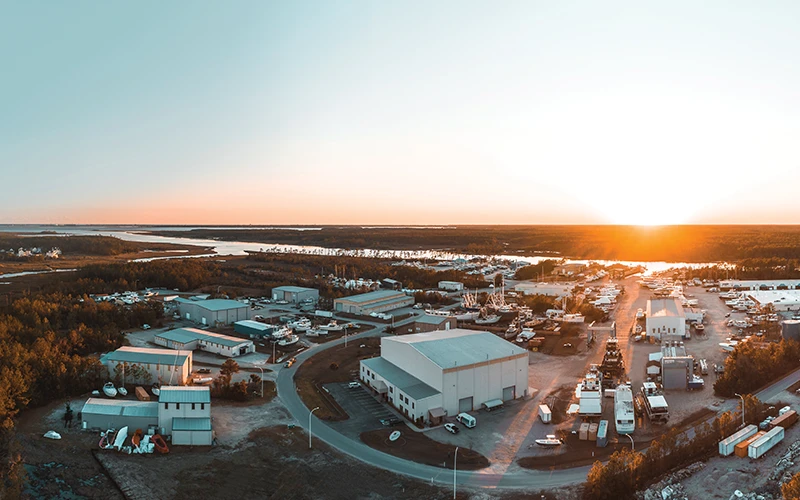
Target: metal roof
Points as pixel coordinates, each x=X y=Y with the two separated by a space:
x=669 y=307
x=431 y=319
x=255 y=325
x=294 y=289
x=191 y=424
x=404 y=381
x=214 y=304
x=186 y=335
x=128 y=408
x=376 y=295
x=147 y=355
x=184 y=394
x=458 y=347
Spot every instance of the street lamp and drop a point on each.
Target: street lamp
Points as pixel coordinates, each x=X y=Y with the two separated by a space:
x=262 y=378
x=742 y=398
x=631 y=438
x=455 y=461
x=309 y=426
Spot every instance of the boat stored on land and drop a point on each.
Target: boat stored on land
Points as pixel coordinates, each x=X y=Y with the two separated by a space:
x=109 y=390
x=624 y=416
x=550 y=440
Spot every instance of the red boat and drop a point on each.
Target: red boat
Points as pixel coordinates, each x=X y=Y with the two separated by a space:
x=159 y=443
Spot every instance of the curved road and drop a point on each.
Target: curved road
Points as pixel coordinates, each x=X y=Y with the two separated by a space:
x=523 y=478
x=519 y=479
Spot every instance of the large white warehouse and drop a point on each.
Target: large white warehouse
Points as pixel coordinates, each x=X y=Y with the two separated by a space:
x=665 y=319
x=429 y=375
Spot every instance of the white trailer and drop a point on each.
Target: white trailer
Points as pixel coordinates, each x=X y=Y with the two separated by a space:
x=765 y=443
x=323 y=314
x=545 y=414
x=727 y=446
x=452 y=286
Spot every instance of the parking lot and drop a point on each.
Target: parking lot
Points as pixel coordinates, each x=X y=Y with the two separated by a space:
x=365 y=411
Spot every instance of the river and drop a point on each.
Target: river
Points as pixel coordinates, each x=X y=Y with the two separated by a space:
x=222 y=248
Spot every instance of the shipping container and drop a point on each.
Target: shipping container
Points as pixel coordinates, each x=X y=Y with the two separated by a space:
x=141 y=394
x=727 y=445
x=786 y=420
x=741 y=449
x=602 y=434
x=592 y=432
x=545 y=414
x=765 y=443
x=583 y=432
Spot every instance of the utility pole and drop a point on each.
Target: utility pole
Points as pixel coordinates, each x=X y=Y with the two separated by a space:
x=455 y=460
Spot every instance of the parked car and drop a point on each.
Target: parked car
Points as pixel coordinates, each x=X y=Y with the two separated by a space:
x=290 y=362
x=388 y=422
x=637 y=338
x=204 y=370
x=451 y=428
x=353 y=385
x=145 y=326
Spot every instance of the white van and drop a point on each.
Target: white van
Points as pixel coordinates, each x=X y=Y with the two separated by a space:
x=467 y=420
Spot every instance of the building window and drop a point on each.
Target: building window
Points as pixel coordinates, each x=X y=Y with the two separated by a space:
x=391 y=389
x=177 y=406
x=412 y=405
x=166 y=406
x=192 y=406
x=202 y=406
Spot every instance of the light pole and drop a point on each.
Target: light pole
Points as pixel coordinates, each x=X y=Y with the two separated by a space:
x=455 y=460
x=309 y=426
x=742 y=398
x=345 y=336
x=262 y=378
x=631 y=438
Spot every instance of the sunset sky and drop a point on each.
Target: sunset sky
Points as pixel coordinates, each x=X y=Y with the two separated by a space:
x=372 y=112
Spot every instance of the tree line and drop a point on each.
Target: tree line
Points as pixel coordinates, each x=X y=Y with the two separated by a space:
x=628 y=471
x=752 y=365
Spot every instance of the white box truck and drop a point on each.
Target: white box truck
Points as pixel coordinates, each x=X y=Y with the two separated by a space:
x=728 y=445
x=545 y=414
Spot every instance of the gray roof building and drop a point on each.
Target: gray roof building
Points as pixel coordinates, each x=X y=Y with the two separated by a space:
x=184 y=394
x=459 y=347
x=409 y=384
x=146 y=355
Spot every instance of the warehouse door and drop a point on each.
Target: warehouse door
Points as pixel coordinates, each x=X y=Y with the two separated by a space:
x=203 y=320
x=509 y=393
x=188 y=316
x=465 y=404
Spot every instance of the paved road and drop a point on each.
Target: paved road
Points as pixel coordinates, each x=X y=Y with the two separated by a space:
x=520 y=479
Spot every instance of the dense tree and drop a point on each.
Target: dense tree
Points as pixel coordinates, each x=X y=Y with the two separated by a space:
x=791 y=488
x=752 y=365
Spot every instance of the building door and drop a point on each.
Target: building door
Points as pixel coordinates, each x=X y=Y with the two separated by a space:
x=188 y=316
x=203 y=320
x=465 y=404
x=509 y=393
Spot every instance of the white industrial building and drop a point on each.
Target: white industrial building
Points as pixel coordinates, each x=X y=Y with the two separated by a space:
x=181 y=412
x=186 y=412
x=548 y=289
x=781 y=300
x=212 y=311
x=759 y=285
x=665 y=319
x=430 y=375
x=145 y=365
x=190 y=339
x=452 y=286
x=677 y=367
x=295 y=294
x=373 y=302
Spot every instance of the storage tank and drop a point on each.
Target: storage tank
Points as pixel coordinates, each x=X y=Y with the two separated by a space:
x=741 y=449
x=790 y=329
x=602 y=434
x=583 y=432
x=592 y=432
x=727 y=445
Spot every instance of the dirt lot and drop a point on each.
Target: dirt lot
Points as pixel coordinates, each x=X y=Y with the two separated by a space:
x=420 y=448
x=317 y=371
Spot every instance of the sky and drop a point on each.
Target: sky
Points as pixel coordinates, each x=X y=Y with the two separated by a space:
x=364 y=112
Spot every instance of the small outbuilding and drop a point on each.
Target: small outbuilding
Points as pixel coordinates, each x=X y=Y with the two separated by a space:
x=295 y=294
